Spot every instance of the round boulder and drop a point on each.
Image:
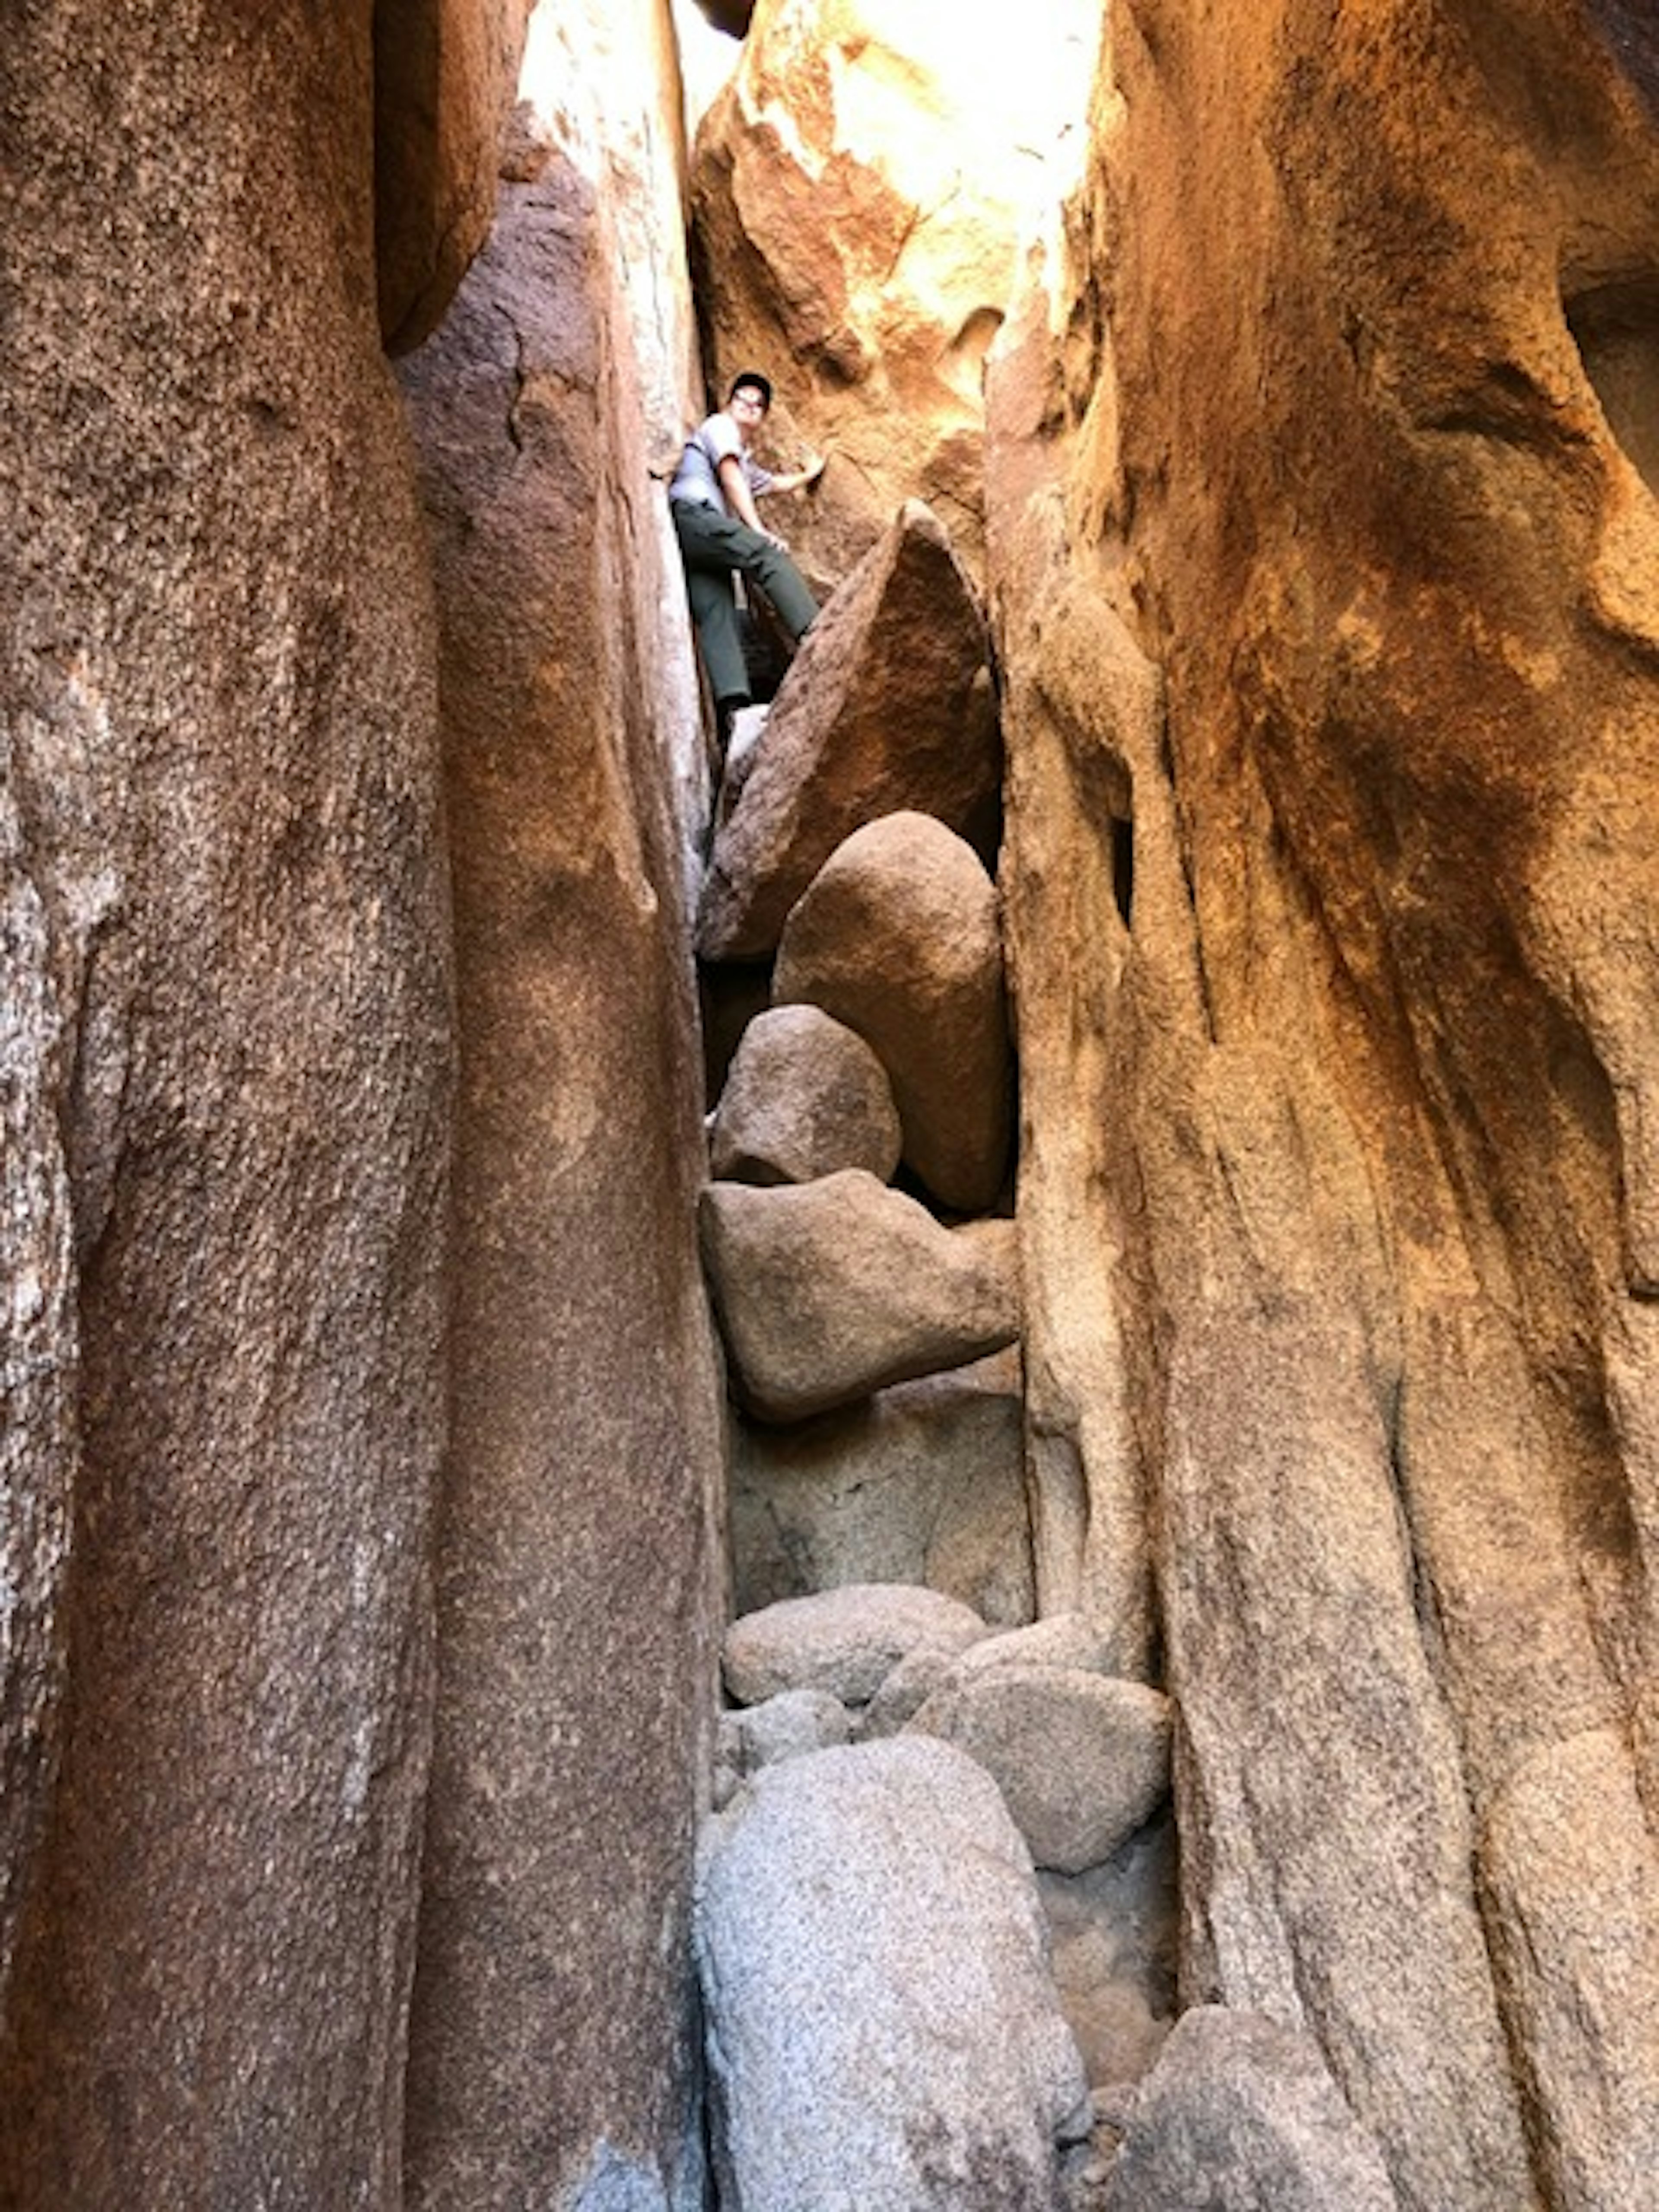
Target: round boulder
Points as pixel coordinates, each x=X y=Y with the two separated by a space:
x=897 y=936
x=1081 y=1760
x=805 y=1095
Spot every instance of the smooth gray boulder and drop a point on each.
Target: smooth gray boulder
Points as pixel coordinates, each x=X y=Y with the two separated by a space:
x=883 y=2033
x=897 y=936
x=922 y=1483
x=1242 y=2115
x=1059 y=1639
x=845 y=1641
x=828 y=1291
x=805 y=1096
x=786 y=1726
x=1082 y=1761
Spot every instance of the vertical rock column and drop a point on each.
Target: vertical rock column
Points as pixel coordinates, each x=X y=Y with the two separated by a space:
x=227 y=1068
x=552 y=2056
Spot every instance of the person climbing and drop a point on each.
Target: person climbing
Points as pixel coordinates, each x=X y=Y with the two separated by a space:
x=712 y=500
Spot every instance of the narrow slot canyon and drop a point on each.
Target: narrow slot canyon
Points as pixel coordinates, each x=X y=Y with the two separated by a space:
x=886 y=1444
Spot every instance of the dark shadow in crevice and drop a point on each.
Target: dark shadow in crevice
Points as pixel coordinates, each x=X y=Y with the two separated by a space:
x=1616 y=330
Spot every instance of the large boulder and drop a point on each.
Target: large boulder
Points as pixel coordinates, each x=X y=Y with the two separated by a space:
x=897 y=936
x=883 y=2030
x=805 y=1096
x=828 y=1291
x=888 y=706
x=1241 y=2114
x=844 y=1641
x=1081 y=1760
x=922 y=1483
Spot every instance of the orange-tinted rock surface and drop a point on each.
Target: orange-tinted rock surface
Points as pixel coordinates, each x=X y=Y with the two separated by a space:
x=1323 y=556
x=859 y=192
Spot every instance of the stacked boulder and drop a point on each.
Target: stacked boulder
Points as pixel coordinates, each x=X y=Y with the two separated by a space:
x=856 y=1231
x=932 y=1807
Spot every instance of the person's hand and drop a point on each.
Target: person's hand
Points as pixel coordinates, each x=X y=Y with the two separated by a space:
x=812 y=468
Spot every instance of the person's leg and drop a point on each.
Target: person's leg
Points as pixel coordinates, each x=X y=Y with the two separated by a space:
x=782 y=582
x=712 y=536
x=713 y=609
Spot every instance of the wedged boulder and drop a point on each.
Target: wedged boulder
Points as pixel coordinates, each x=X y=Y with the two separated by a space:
x=829 y=1289
x=1062 y=1639
x=888 y=707
x=1081 y=1761
x=897 y=936
x=883 y=2029
x=1238 y=2114
x=922 y=1483
x=787 y=1726
x=841 y=1641
x=444 y=77
x=805 y=1097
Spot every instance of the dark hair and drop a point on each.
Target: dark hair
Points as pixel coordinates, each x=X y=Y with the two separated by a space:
x=751 y=379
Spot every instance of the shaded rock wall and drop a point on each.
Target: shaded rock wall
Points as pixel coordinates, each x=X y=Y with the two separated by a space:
x=227 y=1079
x=444 y=77
x=552 y=2051
x=1322 y=546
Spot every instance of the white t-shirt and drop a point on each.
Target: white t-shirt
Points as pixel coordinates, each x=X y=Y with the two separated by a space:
x=698 y=476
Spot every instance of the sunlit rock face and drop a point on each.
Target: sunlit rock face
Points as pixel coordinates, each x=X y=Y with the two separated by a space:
x=859 y=195
x=551 y=2054
x=1326 y=567
x=225 y=1044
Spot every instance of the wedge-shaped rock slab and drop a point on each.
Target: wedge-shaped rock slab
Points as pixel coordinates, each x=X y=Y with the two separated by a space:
x=1241 y=2110
x=887 y=707
x=1081 y=1761
x=897 y=936
x=805 y=1097
x=883 y=2029
x=845 y=1641
x=827 y=1290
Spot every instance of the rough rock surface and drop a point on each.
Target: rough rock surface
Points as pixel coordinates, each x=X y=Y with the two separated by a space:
x=922 y=1483
x=551 y=2058
x=1063 y=1639
x=897 y=936
x=804 y=1097
x=888 y=706
x=845 y=1641
x=1082 y=1762
x=830 y=1289
x=883 y=2029
x=444 y=79
x=1241 y=2114
x=225 y=1044
x=782 y=1727
x=1330 y=906
x=858 y=196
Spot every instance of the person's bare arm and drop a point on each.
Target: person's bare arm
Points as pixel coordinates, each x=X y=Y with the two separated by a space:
x=797 y=479
x=738 y=497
